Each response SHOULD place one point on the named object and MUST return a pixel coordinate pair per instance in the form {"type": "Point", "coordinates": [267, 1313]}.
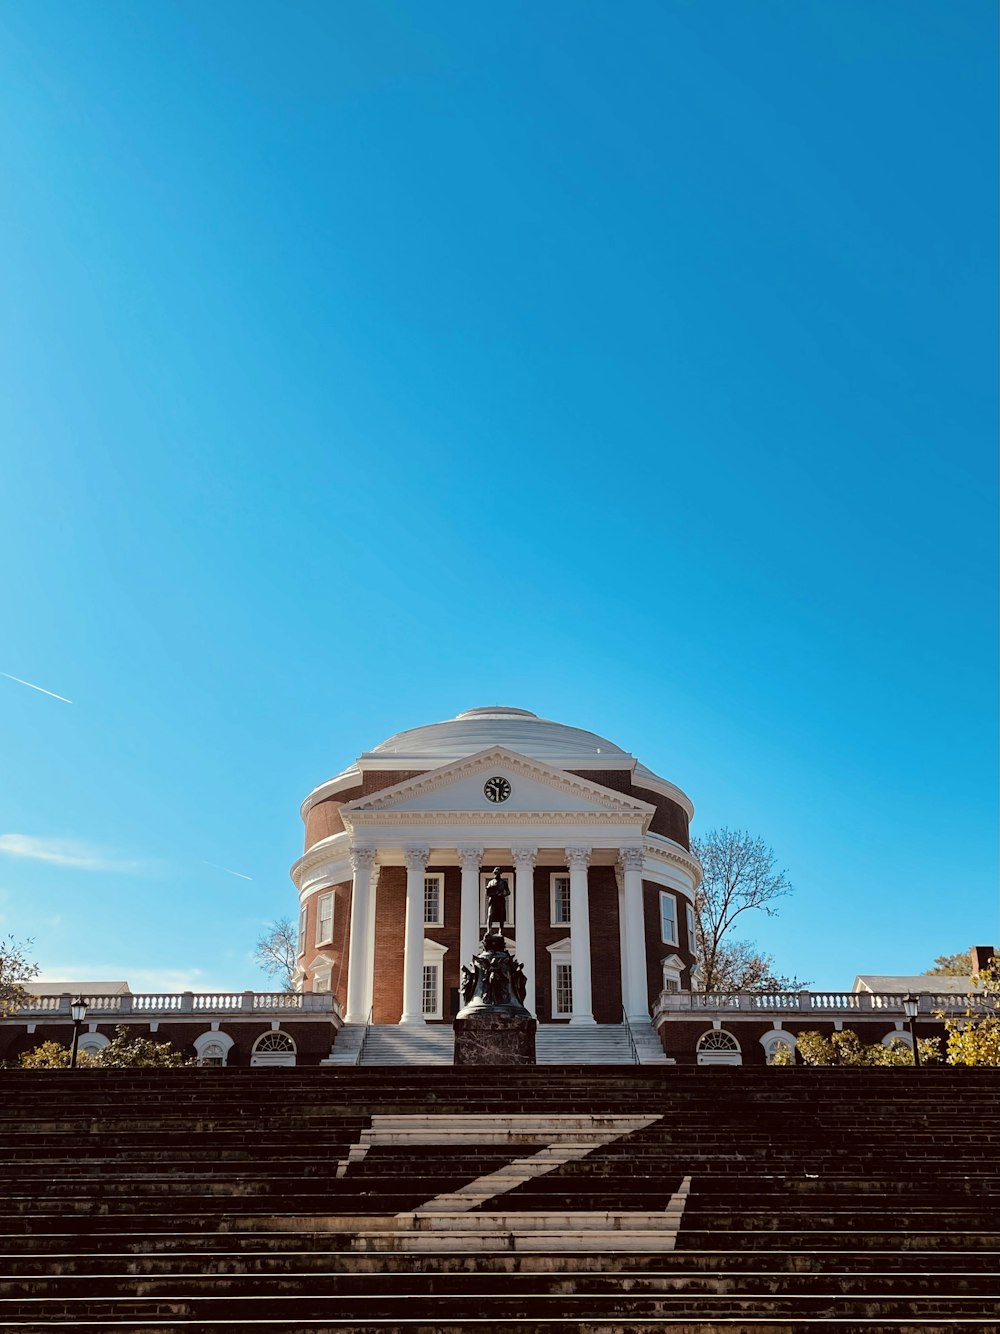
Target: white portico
{"type": "Point", "coordinates": [599, 897]}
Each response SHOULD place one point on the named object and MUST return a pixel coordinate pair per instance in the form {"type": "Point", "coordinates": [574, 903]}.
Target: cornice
{"type": "Point", "coordinates": [666, 850]}
{"type": "Point", "coordinates": [495, 819]}
{"type": "Point", "coordinates": [447, 774]}
{"type": "Point", "coordinates": [349, 778]}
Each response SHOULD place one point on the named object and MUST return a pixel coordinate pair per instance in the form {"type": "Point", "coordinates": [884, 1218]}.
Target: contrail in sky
{"type": "Point", "coordinates": [227, 869]}
{"type": "Point", "coordinates": [31, 687]}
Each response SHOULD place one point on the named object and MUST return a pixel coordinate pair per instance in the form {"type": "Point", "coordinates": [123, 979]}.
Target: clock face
{"type": "Point", "coordinates": [496, 789]}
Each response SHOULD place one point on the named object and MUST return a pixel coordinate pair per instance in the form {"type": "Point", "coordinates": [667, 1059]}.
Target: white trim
{"type": "Point", "coordinates": [213, 1038]}
{"type": "Point", "coordinates": [300, 943]}
{"type": "Point", "coordinates": [269, 1058]}
{"type": "Point", "coordinates": [92, 1042]}
{"type": "Point", "coordinates": [591, 794]}
{"type": "Point", "coordinates": [898, 1035]}
{"type": "Point", "coordinates": [672, 965]}
{"type": "Point", "coordinates": [560, 954]}
{"type": "Point", "coordinates": [729, 1054]}
{"type": "Point", "coordinates": [774, 1039]}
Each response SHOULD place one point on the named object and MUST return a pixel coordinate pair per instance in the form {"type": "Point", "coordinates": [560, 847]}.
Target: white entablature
{"type": "Point", "coordinates": [537, 796]}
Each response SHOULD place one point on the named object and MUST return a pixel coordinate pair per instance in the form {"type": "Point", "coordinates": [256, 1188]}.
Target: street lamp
{"type": "Point", "coordinates": [78, 1009]}
{"type": "Point", "coordinates": [911, 1004]}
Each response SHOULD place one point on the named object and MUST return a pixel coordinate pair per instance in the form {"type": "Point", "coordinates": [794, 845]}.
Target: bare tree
{"type": "Point", "coordinates": [15, 970]}
{"type": "Point", "coordinates": [739, 877]}
{"type": "Point", "coordinates": [276, 952]}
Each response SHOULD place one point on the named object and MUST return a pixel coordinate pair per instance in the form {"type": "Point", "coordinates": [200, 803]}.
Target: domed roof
{"type": "Point", "coordinates": [516, 729]}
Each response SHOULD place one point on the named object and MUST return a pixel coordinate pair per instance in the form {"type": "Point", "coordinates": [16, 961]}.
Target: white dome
{"type": "Point", "coordinates": [516, 729]}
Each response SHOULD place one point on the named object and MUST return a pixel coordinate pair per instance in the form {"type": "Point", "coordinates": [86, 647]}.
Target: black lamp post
{"type": "Point", "coordinates": [78, 1009]}
{"type": "Point", "coordinates": [910, 1006]}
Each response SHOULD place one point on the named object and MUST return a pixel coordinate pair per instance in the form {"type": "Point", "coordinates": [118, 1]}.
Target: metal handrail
{"type": "Point", "coordinates": [364, 1040]}
{"type": "Point", "coordinates": [631, 1040]}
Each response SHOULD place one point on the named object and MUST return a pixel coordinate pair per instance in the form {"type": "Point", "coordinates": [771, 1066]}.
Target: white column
{"type": "Point", "coordinates": [622, 944]}
{"type": "Point", "coordinates": [470, 860]}
{"type": "Point", "coordinates": [578, 859]}
{"type": "Point", "coordinates": [634, 994]}
{"type": "Point", "coordinates": [524, 917]}
{"type": "Point", "coordinates": [360, 970]}
{"type": "Point", "coordinates": [413, 939]}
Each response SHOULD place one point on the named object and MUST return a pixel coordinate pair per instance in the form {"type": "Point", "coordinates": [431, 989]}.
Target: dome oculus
{"type": "Point", "coordinates": [496, 789]}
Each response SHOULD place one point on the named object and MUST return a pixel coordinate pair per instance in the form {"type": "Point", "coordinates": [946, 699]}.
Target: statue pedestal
{"type": "Point", "coordinates": [497, 1038]}
{"type": "Point", "coordinates": [493, 1027]}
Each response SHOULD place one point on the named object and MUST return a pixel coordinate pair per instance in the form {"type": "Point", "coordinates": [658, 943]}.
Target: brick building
{"type": "Point", "coordinates": [399, 847]}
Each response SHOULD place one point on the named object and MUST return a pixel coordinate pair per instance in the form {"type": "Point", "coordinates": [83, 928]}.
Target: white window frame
{"type": "Point", "coordinates": [560, 955]}
{"type": "Point", "coordinates": [92, 1043]}
{"type": "Point", "coordinates": [484, 879]}
{"type": "Point", "coordinates": [773, 1040]}
{"type": "Point", "coordinates": [213, 1038]}
{"type": "Point", "coordinates": [438, 877]}
{"type": "Point", "coordinates": [434, 953]}
{"type": "Point", "coordinates": [732, 1054]}
{"type": "Point", "coordinates": [288, 1056]}
{"type": "Point", "coordinates": [327, 937]}
{"type": "Point", "coordinates": [692, 934]}
{"type": "Point", "coordinates": [667, 897]}
{"type": "Point", "coordinates": [300, 947]}
{"type": "Point", "coordinates": [555, 920]}
{"type": "Point", "coordinates": [672, 967]}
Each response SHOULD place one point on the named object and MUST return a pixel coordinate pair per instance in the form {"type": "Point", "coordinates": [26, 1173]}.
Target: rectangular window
{"type": "Point", "coordinates": [563, 989]}
{"type": "Point", "coordinates": [321, 979]}
{"type": "Point", "coordinates": [324, 919]}
{"type": "Point", "coordinates": [668, 918]}
{"type": "Point", "coordinates": [434, 899]}
{"type": "Point", "coordinates": [691, 936]}
{"type": "Point", "coordinates": [432, 991]}
{"type": "Point", "coordinates": [302, 931]}
{"type": "Point", "coordinates": [560, 900]}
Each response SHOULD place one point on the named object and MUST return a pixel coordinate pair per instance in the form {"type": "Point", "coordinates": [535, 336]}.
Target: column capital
{"type": "Point", "coordinates": [471, 858]}
{"type": "Point", "coordinates": [416, 859]}
{"type": "Point", "coordinates": [632, 859]}
{"type": "Point", "coordinates": [525, 857]}
{"type": "Point", "coordinates": [578, 857]}
{"type": "Point", "coordinates": [362, 858]}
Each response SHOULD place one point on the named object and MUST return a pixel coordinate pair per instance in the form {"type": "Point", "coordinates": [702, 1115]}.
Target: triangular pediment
{"type": "Point", "coordinates": [465, 786]}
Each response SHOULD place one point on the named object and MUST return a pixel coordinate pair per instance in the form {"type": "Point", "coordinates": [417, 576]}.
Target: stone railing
{"type": "Point", "coordinates": [817, 1004]}
{"type": "Point", "coordinates": [180, 1003]}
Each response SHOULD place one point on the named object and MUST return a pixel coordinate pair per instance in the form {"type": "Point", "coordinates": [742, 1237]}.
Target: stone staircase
{"type": "Point", "coordinates": [582, 1044]}
{"type": "Point", "coordinates": [408, 1044]}
{"type": "Point", "coordinates": [608, 1200]}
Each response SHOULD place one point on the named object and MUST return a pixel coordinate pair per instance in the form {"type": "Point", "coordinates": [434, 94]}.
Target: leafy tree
{"type": "Point", "coordinates": [975, 1039]}
{"type": "Point", "coordinates": [277, 951]}
{"type": "Point", "coordinates": [15, 970]}
{"type": "Point", "coordinates": [952, 965]}
{"type": "Point", "coordinates": [122, 1053]}
{"type": "Point", "coordinates": [53, 1056]}
{"type": "Point", "coordinates": [846, 1048]}
{"type": "Point", "coordinates": [740, 876]}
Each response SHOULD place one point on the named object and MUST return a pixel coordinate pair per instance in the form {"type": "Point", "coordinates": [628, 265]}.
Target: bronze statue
{"type": "Point", "coordinates": [497, 894]}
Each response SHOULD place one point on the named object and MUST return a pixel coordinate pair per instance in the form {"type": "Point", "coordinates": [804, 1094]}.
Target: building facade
{"type": "Point", "coordinates": [400, 844]}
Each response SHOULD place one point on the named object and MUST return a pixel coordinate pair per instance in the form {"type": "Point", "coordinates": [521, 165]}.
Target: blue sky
{"type": "Point", "coordinates": [633, 364]}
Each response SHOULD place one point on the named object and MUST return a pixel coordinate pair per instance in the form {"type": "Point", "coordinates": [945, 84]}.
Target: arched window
{"type": "Point", "coordinates": [213, 1048]}
{"type": "Point", "coordinates": [717, 1047]}
{"type": "Point", "coordinates": [92, 1043]}
{"type": "Point", "coordinates": [898, 1037]}
{"type": "Point", "coordinates": [775, 1039]}
{"type": "Point", "coordinates": [274, 1048]}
